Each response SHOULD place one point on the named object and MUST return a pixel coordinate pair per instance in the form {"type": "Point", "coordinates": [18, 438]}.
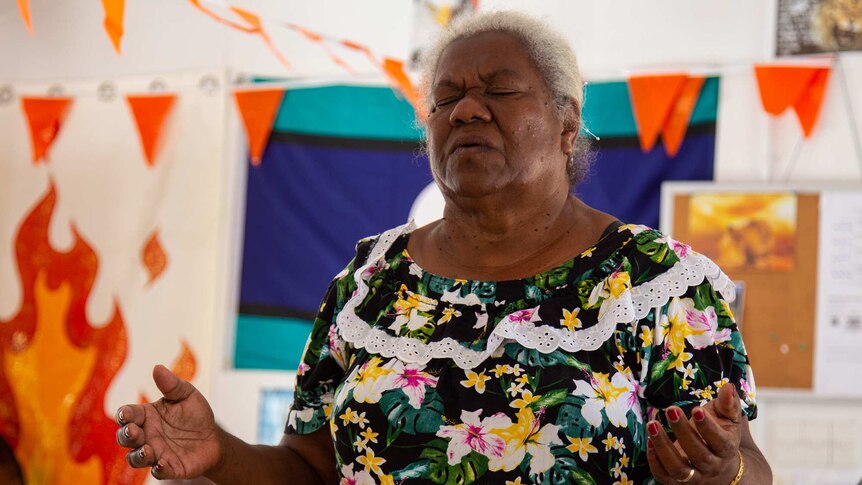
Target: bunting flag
{"type": "Point", "coordinates": [394, 70]}
{"type": "Point", "coordinates": [258, 108]}
{"type": "Point", "coordinates": [45, 118]}
{"type": "Point", "coordinates": [24, 10]}
{"type": "Point", "coordinates": [257, 28]}
{"type": "Point", "coordinates": [677, 124]}
{"type": "Point", "coordinates": [653, 99]}
{"type": "Point", "coordinates": [150, 113]}
{"type": "Point", "coordinates": [799, 87]}
{"type": "Point", "coordinates": [114, 11]}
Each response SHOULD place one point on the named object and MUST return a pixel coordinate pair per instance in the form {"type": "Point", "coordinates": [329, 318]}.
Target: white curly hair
{"type": "Point", "coordinates": [550, 52]}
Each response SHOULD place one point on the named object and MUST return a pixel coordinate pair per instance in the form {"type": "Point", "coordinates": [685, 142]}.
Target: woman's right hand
{"type": "Point", "coordinates": [176, 436]}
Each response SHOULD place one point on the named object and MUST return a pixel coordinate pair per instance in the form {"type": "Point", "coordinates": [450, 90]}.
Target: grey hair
{"type": "Point", "coordinates": [550, 52]}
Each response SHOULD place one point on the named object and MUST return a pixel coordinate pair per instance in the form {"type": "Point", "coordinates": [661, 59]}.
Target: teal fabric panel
{"type": "Point", "coordinates": [347, 112]}
{"type": "Point", "coordinates": [272, 343]}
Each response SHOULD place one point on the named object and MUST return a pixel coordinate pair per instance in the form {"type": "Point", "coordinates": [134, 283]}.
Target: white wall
{"type": "Point", "coordinates": [613, 38]}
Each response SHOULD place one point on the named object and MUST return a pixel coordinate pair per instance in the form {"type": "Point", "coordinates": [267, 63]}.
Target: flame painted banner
{"type": "Point", "coordinates": [107, 267]}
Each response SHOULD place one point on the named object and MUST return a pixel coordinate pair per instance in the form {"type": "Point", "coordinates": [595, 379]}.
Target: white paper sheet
{"type": "Point", "coordinates": [838, 341]}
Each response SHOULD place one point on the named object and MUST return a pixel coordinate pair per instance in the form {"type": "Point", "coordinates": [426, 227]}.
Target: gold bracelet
{"type": "Point", "coordinates": [741, 469]}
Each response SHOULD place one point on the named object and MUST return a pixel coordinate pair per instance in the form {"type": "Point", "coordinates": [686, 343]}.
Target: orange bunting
{"type": "Point", "coordinates": [394, 70]}
{"type": "Point", "coordinates": [361, 48]}
{"type": "Point", "coordinates": [150, 113]}
{"type": "Point", "coordinates": [257, 28]}
{"type": "Point", "coordinates": [209, 13]}
{"type": "Point", "coordinates": [45, 117]}
{"type": "Point", "coordinates": [154, 257]}
{"type": "Point", "coordinates": [258, 108]}
{"type": "Point", "coordinates": [114, 10]}
{"type": "Point", "coordinates": [800, 87]}
{"type": "Point", "coordinates": [24, 10]}
{"type": "Point", "coordinates": [653, 99]}
{"type": "Point", "coordinates": [315, 37]}
{"type": "Point", "coordinates": [677, 124]}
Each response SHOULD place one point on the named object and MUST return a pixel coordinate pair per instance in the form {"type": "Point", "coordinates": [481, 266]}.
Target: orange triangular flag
{"type": "Point", "coordinates": [258, 108]}
{"type": "Point", "coordinates": [257, 28]}
{"type": "Point", "coordinates": [113, 23]}
{"type": "Point", "coordinates": [24, 10]}
{"type": "Point", "coordinates": [807, 107]}
{"type": "Point", "coordinates": [150, 113]}
{"type": "Point", "coordinates": [653, 97]}
{"type": "Point", "coordinates": [45, 118]}
{"type": "Point", "coordinates": [677, 124]}
{"type": "Point", "coordinates": [781, 86]}
{"type": "Point", "coordinates": [394, 70]}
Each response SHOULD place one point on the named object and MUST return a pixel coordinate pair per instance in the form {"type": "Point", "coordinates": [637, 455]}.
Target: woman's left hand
{"type": "Point", "coordinates": [706, 447]}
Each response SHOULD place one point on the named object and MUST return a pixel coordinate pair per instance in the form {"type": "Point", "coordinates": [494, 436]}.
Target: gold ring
{"type": "Point", "coordinates": [689, 477]}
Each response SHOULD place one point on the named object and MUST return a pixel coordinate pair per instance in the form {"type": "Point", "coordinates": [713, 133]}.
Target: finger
{"type": "Point", "coordinates": [131, 413]}
{"type": "Point", "coordinates": [171, 386]}
{"type": "Point", "coordinates": [727, 403]}
{"type": "Point", "coordinates": [723, 442]}
{"type": "Point", "coordinates": [130, 436]}
{"type": "Point", "coordinates": [677, 467]}
{"type": "Point", "coordinates": [158, 471]}
{"type": "Point", "coordinates": [141, 457]}
{"type": "Point", "coordinates": [693, 446]}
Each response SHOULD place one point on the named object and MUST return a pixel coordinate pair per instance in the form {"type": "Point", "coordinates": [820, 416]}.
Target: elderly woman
{"type": "Point", "coordinates": [523, 338]}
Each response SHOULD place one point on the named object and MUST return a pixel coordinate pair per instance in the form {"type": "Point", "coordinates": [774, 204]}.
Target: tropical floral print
{"type": "Point", "coordinates": [523, 415]}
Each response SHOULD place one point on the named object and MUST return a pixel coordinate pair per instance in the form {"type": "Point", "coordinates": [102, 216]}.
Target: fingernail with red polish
{"type": "Point", "coordinates": [126, 432]}
{"type": "Point", "coordinates": [120, 417]}
{"type": "Point", "coordinates": [141, 453]}
{"type": "Point", "coordinates": [649, 443]}
{"type": "Point", "coordinates": [698, 414]}
{"type": "Point", "coordinates": [673, 415]}
{"type": "Point", "coordinates": [652, 428]}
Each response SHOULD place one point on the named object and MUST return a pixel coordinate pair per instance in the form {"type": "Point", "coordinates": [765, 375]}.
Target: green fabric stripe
{"type": "Point", "coordinates": [376, 113]}
{"type": "Point", "coordinates": [269, 342]}
{"type": "Point", "coordinates": [347, 111]}
{"type": "Point", "coordinates": [608, 111]}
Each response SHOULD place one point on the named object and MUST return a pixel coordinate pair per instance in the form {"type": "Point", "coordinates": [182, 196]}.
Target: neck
{"type": "Point", "coordinates": [490, 236]}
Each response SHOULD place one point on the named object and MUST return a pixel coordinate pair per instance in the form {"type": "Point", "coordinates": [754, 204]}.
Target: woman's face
{"type": "Point", "coordinates": [493, 127]}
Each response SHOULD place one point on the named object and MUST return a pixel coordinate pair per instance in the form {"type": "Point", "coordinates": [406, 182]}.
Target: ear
{"type": "Point", "coordinates": [571, 127]}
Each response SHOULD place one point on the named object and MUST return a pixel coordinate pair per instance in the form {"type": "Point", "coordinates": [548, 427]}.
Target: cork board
{"type": "Point", "coordinates": [778, 317]}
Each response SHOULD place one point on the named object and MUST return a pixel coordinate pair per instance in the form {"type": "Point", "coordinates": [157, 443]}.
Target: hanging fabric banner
{"type": "Point", "coordinates": [799, 87]}
{"type": "Point", "coordinates": [24, 9]}
{"type": "Point", "coordinates": [653, 98]}
{"type": "Point", "coordinates": [45, 117]}
{"type": "Point", "coordinates": [150, 113]}
{"type": "Point", "coordinates": [258, 108]}
{"type": "Point", "coordinates": [114, 11]}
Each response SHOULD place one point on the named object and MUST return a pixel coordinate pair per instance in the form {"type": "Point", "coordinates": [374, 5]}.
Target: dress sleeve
{"type": "Point", "coordinates": [325, 358]}
{"type": "Point", "coordinates": [695, 349]}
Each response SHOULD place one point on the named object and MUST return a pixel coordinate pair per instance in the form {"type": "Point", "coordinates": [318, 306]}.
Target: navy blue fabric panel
{"type": "Point", "coordinates": [306, 206]}
{"type": "Point", "coordinates": [626, 182]}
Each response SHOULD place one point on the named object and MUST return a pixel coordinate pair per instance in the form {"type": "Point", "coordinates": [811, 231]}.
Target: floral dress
{"type": "Point", "coordinates": [545, 380]}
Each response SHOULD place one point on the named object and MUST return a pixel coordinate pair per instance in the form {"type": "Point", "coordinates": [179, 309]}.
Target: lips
{"type": "Point", "coordinates": [470, 142]}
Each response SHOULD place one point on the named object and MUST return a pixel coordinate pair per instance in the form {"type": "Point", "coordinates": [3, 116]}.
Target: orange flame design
{"type": "Point", "coordinates": [154, 257]}
{"type": "Point", "coordinates": [55, 367]}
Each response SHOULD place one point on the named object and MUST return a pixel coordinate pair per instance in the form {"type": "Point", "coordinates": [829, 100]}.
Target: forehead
{"type": "Point", "coordinates": [485, 54]}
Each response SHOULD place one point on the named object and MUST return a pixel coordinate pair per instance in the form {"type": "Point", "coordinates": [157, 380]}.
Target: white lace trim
{"type": "Point", "coordinates": [632, 305]}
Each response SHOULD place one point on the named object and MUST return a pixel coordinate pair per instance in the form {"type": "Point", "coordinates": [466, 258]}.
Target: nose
{"type": "Point", "coordinates": [469, 109]}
